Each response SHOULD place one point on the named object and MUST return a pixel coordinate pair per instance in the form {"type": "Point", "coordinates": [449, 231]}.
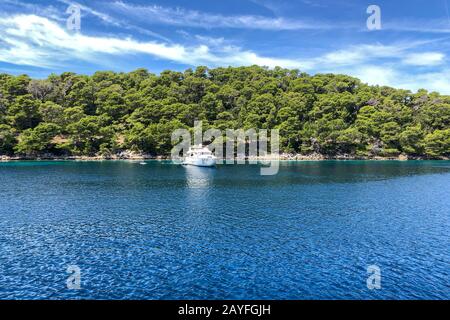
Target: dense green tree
{"type": "Point", "coordinates": [16, 86]}
{"type": "Point", "coordinates": [86, 136]}
{"type": "Point", "coordinates": [109, 112]}
{"type": "Point", "coordinates": [389, 134]}
{"type": "Point", "coordinates": [24, 112]}
{"type": "Point", "coordinates": [82, 94]}
{"type": "Point", "coordinates": [435, 116]}
{"type": "Point", "coordinates": [37, 140]}
{"type": "Point", "coordinates": [111, 101]}
{"type": "Point", "coordinates": [350, 141]}
{"type": "Point", "coordinates": [7, 140]}
{"type": "Point", "coordinates": [437, 143]}
{"type": "Point", "coordinates": [411, 140]}
{"type": "Point", "coordinates": [52, 113]}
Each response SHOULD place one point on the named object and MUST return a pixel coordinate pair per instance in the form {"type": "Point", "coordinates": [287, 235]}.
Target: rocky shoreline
{"type": "Point", "coordinates": [120, 156]}
{"type": "Point", "coordinates": [128, 155]}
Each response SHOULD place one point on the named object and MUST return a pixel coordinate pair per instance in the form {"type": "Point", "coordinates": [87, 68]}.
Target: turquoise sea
{"type": "Point", "coordinates": [164, 231]}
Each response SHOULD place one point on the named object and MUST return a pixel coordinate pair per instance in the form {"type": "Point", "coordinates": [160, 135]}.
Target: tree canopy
{"type": "Point", "coordinates": [108, 112]}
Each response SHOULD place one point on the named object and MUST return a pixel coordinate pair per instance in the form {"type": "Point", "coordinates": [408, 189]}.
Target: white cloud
{"type": "Point", "coordinates": [424, 59]}
{"type": "Point", "coordinates": [433, 81]}
{"type": "Point", "coordinates": [37, 41]}
{"type": "Point", "coordinates": [376, 75]}
{"type": "Point", "coordinates": [361, 53]}
{"type": "Point", "coordinates": [390, 76]}
{"type": "Point", "coordinates": [364, 53]}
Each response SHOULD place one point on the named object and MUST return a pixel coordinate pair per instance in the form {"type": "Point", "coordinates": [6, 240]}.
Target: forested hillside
{"type": "Point", "coordinates": [106, 113]}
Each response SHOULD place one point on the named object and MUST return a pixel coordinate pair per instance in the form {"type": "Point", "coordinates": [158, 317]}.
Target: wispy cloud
{"type": "Point", "coordinates": [110, 20]}
{"type": "Point", "coordinates": [48, 11]}
{"type": "Point", "coordinates": [365, 53]}
{"type": "Point", "coordinates": [181, 17]}
{"type": "Point", "coordinates": [100, 15]}
{"type": "Point", "coordinates": [425, 59]}
{"type": "Point", "coordinates": [192, 18]}
{"type": "Point", "coordinates": [436, 26]}
{"type": "Point", "coordinates": [355, 54]}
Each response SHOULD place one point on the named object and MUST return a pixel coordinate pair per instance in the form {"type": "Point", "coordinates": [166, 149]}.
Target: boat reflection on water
{"type": "Point", "coordinates": [199, 177]}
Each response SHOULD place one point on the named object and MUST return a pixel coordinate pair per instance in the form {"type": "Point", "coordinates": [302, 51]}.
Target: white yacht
{"type": "Point", "coordinates": [199, 156]}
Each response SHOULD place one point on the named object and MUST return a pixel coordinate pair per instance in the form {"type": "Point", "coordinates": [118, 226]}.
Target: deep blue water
{"type": "Point", "coordinates": [162, 231]}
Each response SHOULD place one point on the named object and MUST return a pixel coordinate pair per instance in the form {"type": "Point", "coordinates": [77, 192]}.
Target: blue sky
{"type": "Point", "coordinates": [411, 51]}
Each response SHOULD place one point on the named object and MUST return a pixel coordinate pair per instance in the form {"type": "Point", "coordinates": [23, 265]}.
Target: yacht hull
{"type": "Point", "coordinates": [200, 162]}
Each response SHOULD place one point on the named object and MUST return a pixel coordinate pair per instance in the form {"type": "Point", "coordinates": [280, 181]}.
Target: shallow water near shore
{"type": "Point", "coordinates": [164, 231]}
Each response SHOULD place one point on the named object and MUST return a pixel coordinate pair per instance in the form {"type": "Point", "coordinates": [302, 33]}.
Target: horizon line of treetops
{"type": "Point", "coordinates": [109, 112]}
